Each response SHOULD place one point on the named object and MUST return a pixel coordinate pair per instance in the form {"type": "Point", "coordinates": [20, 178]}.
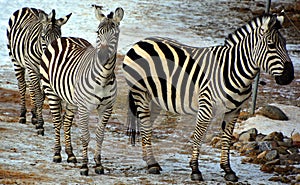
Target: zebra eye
{"type": "Point", "coordinates": [271, 45]}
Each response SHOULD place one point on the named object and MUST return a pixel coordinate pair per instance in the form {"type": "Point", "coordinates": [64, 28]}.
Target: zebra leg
{"type": "Point", "coordinates": [203, 119]}
{"type": "Point", "coordinates": [37, 101]}
{"type": "Point", "coordinates": [67, 122]}
{"type": "Point", "coordinates": [20, 74]}
{"type": "Point", "coordinates": [143, 114]}
{"type": "Point", "coordinates": [103, 119]}
{"type": "Point", "coordinates": [55, 108]}
{"type": "Point", "coordinates": [85, 138]}
{"type": "Point", "coordinates": [227, 130]}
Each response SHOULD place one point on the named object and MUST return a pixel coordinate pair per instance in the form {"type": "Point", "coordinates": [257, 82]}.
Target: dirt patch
{"type": "Point", "coordinates": [16, 177]}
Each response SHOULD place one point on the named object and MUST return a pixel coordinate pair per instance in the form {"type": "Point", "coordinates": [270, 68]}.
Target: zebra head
{"type": "Point", "coordinates": [108, 32]}
{"type": "Point", "coordinates": [51, 27]}
{"type": "Point", "coordinates": [272, 50]}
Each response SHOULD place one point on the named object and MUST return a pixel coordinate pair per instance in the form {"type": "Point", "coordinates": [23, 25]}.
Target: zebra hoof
{"type": "Point", "coordinates": [84, 170]}
{"type": "Point", "coordinates": [196, 177]}
{"type": "Point", "coordinates": [99, 170]}
{"type": "Point", "coordinates": [57, 159]}
{"type": "Point", "coordinates": [231, 177]}
{"type": "Point", "coordinates": [22, 120]}
{"type": "Point", "coordinates": [72, 159]}
{"type": "Point", "coordinates": [40, 132]}
{"type": "Point", "coordinates": [34, 121]}
{"type": "Point", "coordinates": [154, 170]}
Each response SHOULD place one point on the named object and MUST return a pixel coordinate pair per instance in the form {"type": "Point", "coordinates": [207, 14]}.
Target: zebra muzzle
{"type": "Point", "coordinates": [287, 76]}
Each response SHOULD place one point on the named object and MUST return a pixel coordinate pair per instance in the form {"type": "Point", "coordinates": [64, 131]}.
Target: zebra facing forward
{"type": "Point", "coordinates": [29, 31]}
{"type": "Point", "coordinates": [191, 80]}
{"type": "Point", "coordinates": [83, 76]}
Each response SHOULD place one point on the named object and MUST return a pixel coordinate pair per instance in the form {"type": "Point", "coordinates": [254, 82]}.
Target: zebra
{"type": "Point", "coordinates": [198, 81]}
{"type": "Point", "coordinates": [29, 31]}
{"type": "Point", "coordinates": [83, 76]}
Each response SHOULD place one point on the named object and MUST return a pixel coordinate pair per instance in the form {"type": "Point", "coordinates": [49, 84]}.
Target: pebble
{"type": "Point", "coordinates": [296, 139]}
{"type": "Point", "coordinates": [274, 136]}
{"type": "Point", "coordinates": [248, 135]}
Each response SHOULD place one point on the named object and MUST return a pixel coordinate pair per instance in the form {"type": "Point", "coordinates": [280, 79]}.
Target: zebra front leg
{"type": "Point", "coordinates": [67, 121]}
{"type": "Point", "coordinates": [55, 108]}
{"type": "Point", "coordinates": [203, 119]}
{"type": "Point", "coordinates": [103, 119]}
{"type": "Point", "coordinates": [20, 74]}
{"type": "Point", "coordinates": [85, 139]}
{"type": "Point", "coordinates": [227, 130]}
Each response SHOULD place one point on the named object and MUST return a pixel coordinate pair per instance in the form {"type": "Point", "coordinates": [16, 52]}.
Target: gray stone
{"type": "Point", "coordinates": [273, 112]}
{"type": "Point", "coordinates": [271, 155]}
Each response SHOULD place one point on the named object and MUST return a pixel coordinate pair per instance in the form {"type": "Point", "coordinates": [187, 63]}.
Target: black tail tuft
{"type": "Point", "coordinates": [132, 121]}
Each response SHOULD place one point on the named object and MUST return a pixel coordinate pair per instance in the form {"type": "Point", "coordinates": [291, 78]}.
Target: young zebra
{"type": "Point", "coordinates": [83, 76]}
{"type": "Point", "coordinates": [191, 80]}
{"type": "Point", "coordinates": [29, 31]}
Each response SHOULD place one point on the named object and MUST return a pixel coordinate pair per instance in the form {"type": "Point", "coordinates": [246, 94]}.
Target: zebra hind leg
{"type": "Point", "coordinates": [143, 114]}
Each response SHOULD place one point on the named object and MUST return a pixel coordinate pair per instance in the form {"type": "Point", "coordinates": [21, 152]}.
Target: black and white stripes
{"type": "Point", "coordinates": [191, 80]}
{"type": "Point", "coordinates": [83, 76]}
{"type": "Point", "coordinates": [29, 31]}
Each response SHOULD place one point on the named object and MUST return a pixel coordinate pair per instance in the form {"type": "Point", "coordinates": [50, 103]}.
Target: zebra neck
{"type": "Point", "coordinates": [105, 69]}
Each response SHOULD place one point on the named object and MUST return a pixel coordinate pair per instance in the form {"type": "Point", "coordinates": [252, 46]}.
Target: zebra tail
{"type": "Point", "coordinates": [132, 121]}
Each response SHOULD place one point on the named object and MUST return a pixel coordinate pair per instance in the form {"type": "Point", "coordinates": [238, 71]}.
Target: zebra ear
{"type": "Point", "coordinates": [43, 17]}
{"type": "Point", "coordinates": [119, 13]}
{"type": "Point", "coordinates": [98, 12]}
{"type": "Point", "coordinates": [280, 17]}
{"type": "Point", "coordinates": [63, 20]}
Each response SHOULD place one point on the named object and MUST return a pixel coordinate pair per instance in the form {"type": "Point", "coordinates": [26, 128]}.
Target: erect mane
{"type": "Point", "coordinates": [247, 28]}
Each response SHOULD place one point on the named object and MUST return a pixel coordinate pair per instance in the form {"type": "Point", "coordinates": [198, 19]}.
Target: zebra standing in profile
{"type": "Point", "coordinates": [83, 76]}
{"type": "Point", "coordinates": [29, 31]}
{"type": "Point", "coordinates": [191, 80]}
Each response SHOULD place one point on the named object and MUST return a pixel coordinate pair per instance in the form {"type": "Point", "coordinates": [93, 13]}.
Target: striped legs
{"type": "Point", "coordinates": [67, 122]}
{"type": "Point", "coordinates": [85, 138]}
{"type": "Point", "coordinates": [56, 109]}
{"type": "Point", "coordinates": [20, 74]}
{"type": "Point", "coordinates": [203, 119]}
{"type": "Point", "coordinates": [227, 130]}
{"type": "Point", "coordinates": [103, 119]}
{"type": "Point", "coordinates": [35, 94]}
{"type": "Point", "coordinates": [37, 99]}
{"type": "Point", "coordinates": [142, 103]}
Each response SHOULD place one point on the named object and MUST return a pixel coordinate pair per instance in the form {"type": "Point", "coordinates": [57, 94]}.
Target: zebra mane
{"type": "Point", "coordinates": [250, 26]}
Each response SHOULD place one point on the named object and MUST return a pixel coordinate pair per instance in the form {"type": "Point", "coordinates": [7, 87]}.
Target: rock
{"type": "Point", "coordinates": [274, 162]}
{"type": "Point", "coordinates": [267, 168]}
{"type": "Point", "coordinates": [296, 139]}
{"type": "Point", "coordinates": [271, 155]}
{"type": "Point", "coordinates": [274, 136]}
{"type": "Point", "coordinates": [249, 147]}
{"type": "Point", "coordinates": [262, 155]}
{"type": "Point", "coordinates": [273, 112]}
{"type": "Point", "coordinates": [297, 178]}
{"type": "Point", "coordinates": [248, 135]}
{"type": "Point", "coordinates": [216, 142]}
{"type": "Point", "coordinates": [260, 137]}
{"type": "Point", "coordinates": [266, 145]}
{"type": "Point", "coordinates": [280, 179]}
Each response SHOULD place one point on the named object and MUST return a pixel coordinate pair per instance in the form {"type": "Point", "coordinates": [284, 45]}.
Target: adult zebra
{"type": "Point", "coordinates": [83, 76]}
{"type": "Point", "coordinates": [191, 80]}
{"type": "Point", "coordinates": [29, 31]}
